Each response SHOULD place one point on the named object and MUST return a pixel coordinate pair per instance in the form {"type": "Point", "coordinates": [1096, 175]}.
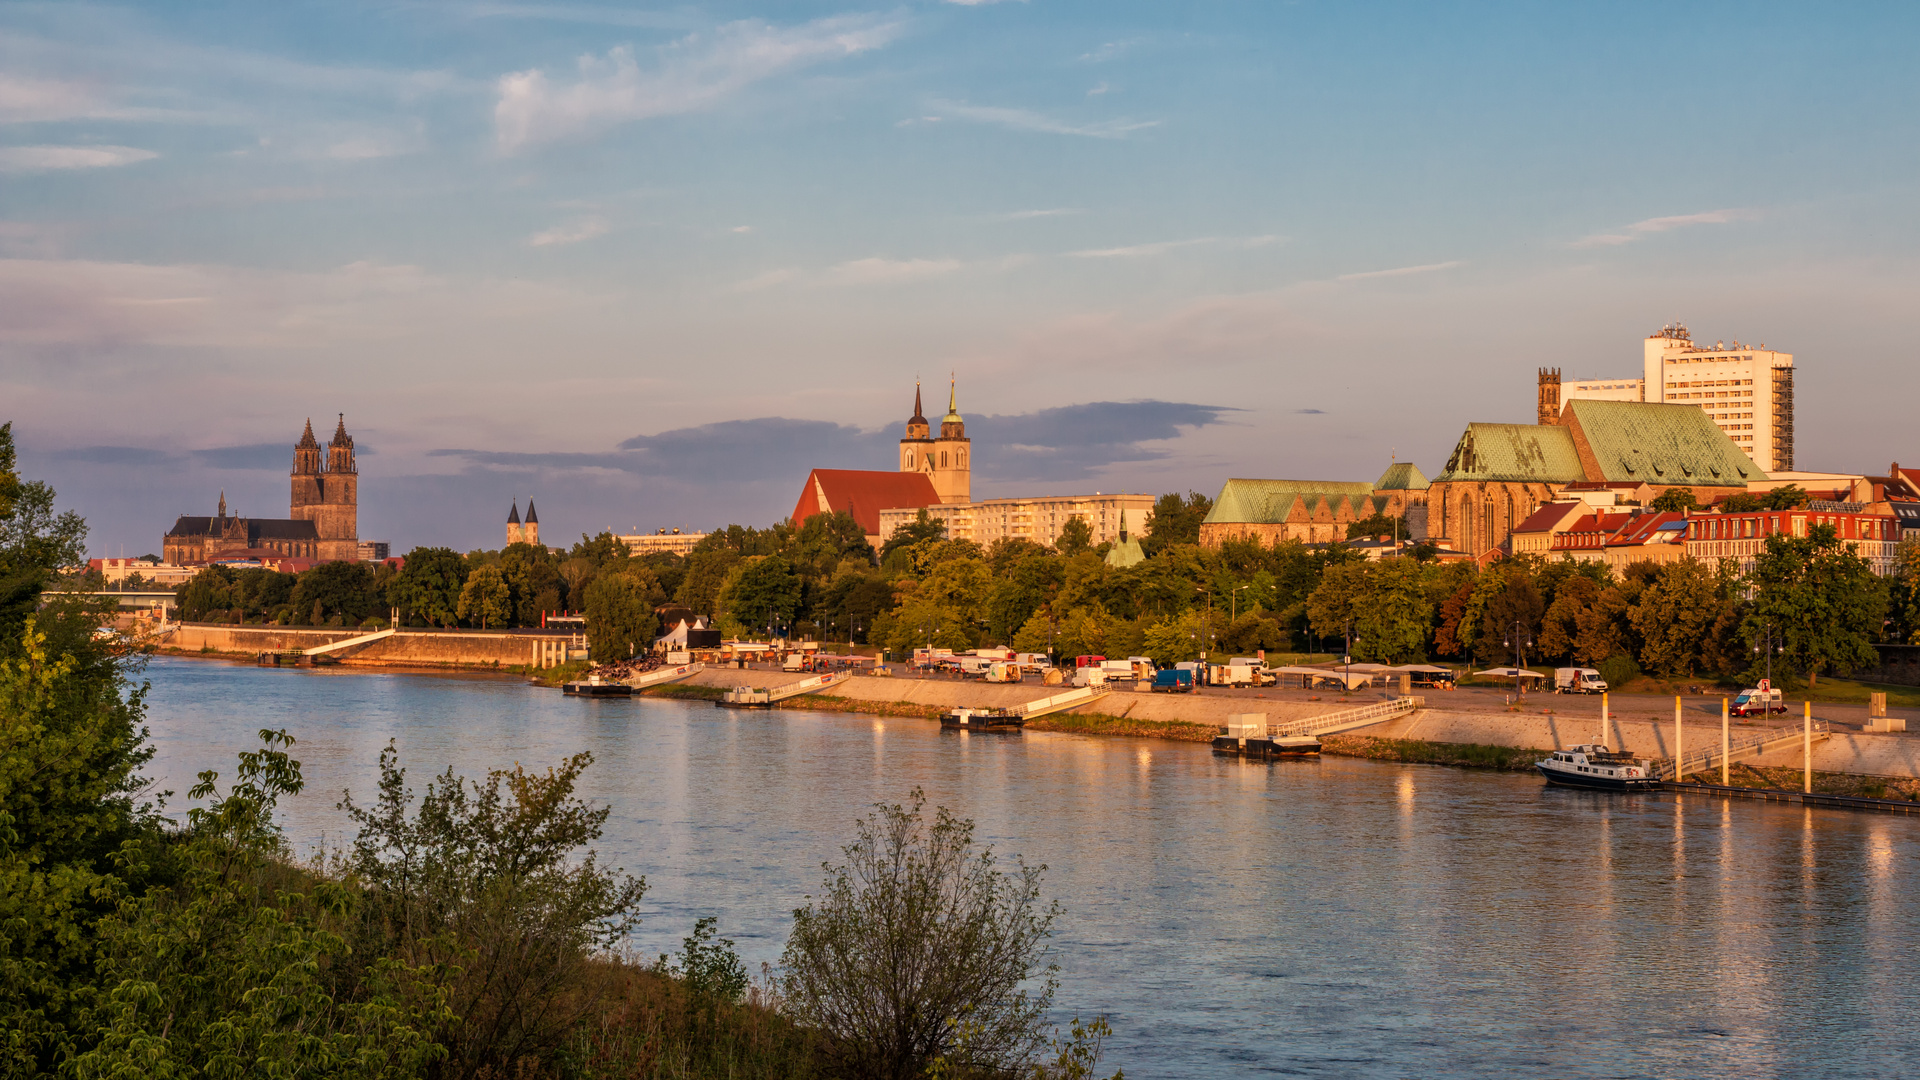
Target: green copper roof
{"type": "Point", "coordinates": [1126, 552]}
{"type": "Point", "coordinates": [1522, 453]}
{"type": "Point", "coordinates": [1401, 476]}
{"type": "Point", "coordinates": [1655, 443]}
{"type": "Point", "coordinates": [1270, 501]}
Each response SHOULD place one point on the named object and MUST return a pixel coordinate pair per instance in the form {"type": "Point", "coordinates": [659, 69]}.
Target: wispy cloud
{"type": "Point", "coordinates": [1024, 215]}
{"type": "Point", "coordinates": [694, 73]}
{"type": "Point", "coordinates": [978, 3]}
{"type": "Point", "coordinates": [1402, 271]}
{"type": "Point", "coordinates": [1650, 226]}
{"type": "Point", "coordinates": [24, 99]}
{"type": "Point", "coordinates": [1140, 251]}
{"type": "Point", "coordinates": [877, 271]}
{"type": "Point", "coordinates": [1028, 120]}
{"type": "Point", "coordinates": [574, 233]}
{"type": "Point", "coordinates": [1099, 88]}
{"type": "Point", "coordinates": [21, 159]}
{"type": "Point", "coordinates": [1112, 50]}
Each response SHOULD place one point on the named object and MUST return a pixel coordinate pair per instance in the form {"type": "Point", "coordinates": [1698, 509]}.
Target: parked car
{"type": "Point", "coordinates": [1173, 681]}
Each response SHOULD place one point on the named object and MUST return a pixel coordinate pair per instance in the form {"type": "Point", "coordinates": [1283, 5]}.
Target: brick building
{"type": "Point", "coordinates": [1314, 511]}
{"type": "Point", "coordinates": [322, 522]}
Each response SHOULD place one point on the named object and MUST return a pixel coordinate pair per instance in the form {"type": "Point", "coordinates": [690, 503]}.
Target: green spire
{"type": "Point", "coordinates": [953, 408]}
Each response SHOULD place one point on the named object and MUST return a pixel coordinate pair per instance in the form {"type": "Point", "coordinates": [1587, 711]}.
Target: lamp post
{"type": "Point", "coordinates": [1769, 645]}
{"type": "Point", "coordinates": [1233, 606]}
{"type": "Point", "coordinates": [1518, 642]}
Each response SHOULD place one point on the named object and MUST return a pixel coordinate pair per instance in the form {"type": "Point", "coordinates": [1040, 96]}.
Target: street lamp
{"type": "Point", "coordinates": [1347, 657]}
{"type": "Point", "coordinates": [1233, 604]}
{"type": "Point", "coordinates": [1770, 643]}
{"type": "Point", "coordinates": [1518, 641]}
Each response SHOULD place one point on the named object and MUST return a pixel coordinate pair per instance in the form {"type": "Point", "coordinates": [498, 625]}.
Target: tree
{"type": "Point", "coordinates": [1790, 497]}
{"type": "Point", "coordinates": [1378, 525]}
{"type": "Point", "coordinates": [430, 585]}
{"type": "Point", "coordinates": [1674, 500]}
{"type": "Point", "coordinates": [1174, 521]}
{"type": "Point", "coordinates": [1076, 536]}
{"type": "Point", "coordinates": [920, 949]}
{"type": "Point", "coordinates": [764, 592]}
{"type": "Point", "coordinates": [485, 598]}
{"type": "Point", "coordinates": [1906, 594]}
{"type": "Point", "coordinates": [34, 541]}
{"type": "Point", "coordinates": [1173, 641]}
{"type": "Point", "coordinates": [345, 589]}
{"type": "Point", "coordinates": [208, 592]}
{"type": "Point", "coordinates": [1674, 616]}
{"type": "Point", "coordinates": [1823, 602]}
{"type": "Point", "coordinates": [921, 528]}
{"type": "Point", "coordinates": [533, 577]}
{"type": "Point", "coordinates": [1383, 601]}
{"type": "Point", "coordinates": [620, 618]}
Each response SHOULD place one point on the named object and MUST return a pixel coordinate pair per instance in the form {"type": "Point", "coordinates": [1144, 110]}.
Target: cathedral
{"type": "Point", "coordinates": [517, 533]}
{"type": "Point", "coordinates": [322, 522]}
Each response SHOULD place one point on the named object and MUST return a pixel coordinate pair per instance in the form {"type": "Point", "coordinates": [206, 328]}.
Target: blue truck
{"type": "Point", "coordinates": [1173, 681]}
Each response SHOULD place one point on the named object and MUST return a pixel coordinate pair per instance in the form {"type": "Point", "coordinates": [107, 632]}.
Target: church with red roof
{"type": "Point", "coordinates": [933, 471]}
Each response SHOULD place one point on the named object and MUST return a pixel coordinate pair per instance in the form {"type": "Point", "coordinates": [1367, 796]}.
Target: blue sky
{"type": "Point", "coordinates": [650, 263]}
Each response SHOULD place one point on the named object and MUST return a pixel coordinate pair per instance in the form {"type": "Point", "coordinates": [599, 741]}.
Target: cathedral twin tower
{"type": "Point", "coordinates": [942, 460]}
{"type": "Point", "coordinates": [328, 493]}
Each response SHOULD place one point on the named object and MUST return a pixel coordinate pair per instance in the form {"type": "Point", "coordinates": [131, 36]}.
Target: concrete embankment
{"type": "Point", "coordinates": [408, 648]}
{"type": "Point", "coordinates": [1896, 755]}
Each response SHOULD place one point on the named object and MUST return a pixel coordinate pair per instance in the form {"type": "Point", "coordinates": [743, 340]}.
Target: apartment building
{"type": "Point", "coordinates": [1038, 519]}
{"type": "Point", "coordinates": [1743, 537]}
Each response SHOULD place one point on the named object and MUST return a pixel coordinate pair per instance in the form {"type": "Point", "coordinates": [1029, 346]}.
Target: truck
{"type": "Point", "coordinates": [974, 665]}
{"type": "Point", "coordinates": [1119, 670]}
{"type": "Point", "coordinates": [1757, 701]}
{"type": "Point", "coordinates": [1035, 662]}
{"type": "Point", "coordinates": [1172, 681]}
{"type": "Point", "coordinates": [1578, 680]}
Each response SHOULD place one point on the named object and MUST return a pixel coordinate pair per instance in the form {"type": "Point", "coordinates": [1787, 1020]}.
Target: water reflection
{"type": "Point", "coordinates": [1339, 917]}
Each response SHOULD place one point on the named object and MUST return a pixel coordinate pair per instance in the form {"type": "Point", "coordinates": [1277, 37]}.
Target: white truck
{"type": "Point", "coordinates": [1003, 671]}
{"type": "Point", "coordinates": [1119, 670]}
{"type": "Point", "coordinates": [1578, 680]}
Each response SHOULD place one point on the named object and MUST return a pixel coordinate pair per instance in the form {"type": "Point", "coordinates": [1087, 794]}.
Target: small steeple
{"type": "Point", "coordinates": [1123, 526]}
{"type": "Point", "coordinates": [223, 502]}
{"type": "Point", "coordinates": [340, 436]}
{"type": "Point", "coordinates": [307, 441]}
{"type": "Point", "coordinates": [953, 408]}
{"type": "Point", "coordinates": [919, 415]}
{"type": "Point", "coordinates": [513, 515]}
{"type": "Point", "coordinates": [533, 518]}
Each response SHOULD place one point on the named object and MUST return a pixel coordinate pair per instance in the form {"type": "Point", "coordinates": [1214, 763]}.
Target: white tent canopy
{"type": "Point", "coordinates": [1511, 673]}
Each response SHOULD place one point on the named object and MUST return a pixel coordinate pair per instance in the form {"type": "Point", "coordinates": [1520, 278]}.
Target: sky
{"type": "Point", "coordinates": [648, 264]}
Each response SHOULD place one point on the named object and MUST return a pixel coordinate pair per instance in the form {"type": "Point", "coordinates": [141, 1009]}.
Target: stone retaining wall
{"type": "Point", "coordinates": [408, 648]}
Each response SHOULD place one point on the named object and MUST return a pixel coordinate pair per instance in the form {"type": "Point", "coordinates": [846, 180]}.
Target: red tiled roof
{"type": "Point", "coordinates": [862, 493]}
{"type": "Point", "coordinates": [1547, 517]}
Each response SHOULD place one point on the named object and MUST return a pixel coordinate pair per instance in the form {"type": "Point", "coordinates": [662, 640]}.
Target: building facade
{"type": "Point", "coordinates": [327, 492]}
{"type": "Point", "coordinates": [1747, 390]}
{"type": "Point", "coordinates": [1743, 537]}
{"type": "Point", "coordinates": [1500, 474]}
{"type": "Point", "coordinates": [944, 460]}
{"type": "Point", "coordinates": [1038, 519]}
{"type": "Point", "coordinates": [1314, 511]}
{"type": "Point", "coordinates": [672, 542]}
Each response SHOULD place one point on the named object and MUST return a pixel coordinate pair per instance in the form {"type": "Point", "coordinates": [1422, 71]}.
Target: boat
{"type": "Point", "coordinates": [984, 719]}
{"type": "Point", "coordinates": [1272, 747]}
{"type": "Point", "coordinates": [1594, 766]}
{"type": "Point", "coordinates": [595, 686]}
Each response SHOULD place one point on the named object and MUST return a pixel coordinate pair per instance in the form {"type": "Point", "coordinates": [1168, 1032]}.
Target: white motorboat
{"type": "Point", "coordinates": [1594, 766]}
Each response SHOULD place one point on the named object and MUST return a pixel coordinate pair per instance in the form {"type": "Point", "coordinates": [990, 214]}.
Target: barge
{"type": "Point", "coordinates": [1593, 766]}
{"type": "Point", "coordinates": [984, 719]}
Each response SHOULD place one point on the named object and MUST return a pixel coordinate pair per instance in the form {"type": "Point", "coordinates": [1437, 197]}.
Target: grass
{"type": "Point", "coordinates": [1421, 752]}
{"type": "Point", "coordinates": [652, 1025]}
{"type": "Point", "coordinates": [568, 672]}
{"type": "Point", "coordinates": [682, 691]}
{"type": "Point", "coordinates": [1792, 778]}
{"type": "Point", "coordinates": [1103, 724]}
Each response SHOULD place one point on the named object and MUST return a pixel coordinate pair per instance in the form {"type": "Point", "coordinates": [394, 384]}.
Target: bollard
{"type": "Point", "coordinates": [1806, 747]}
{"type": "Point", "coordinates": [1679, 743]}
{"type": "Point", "coordinates": [1727, 740]}
{"type": "Point", "coordinates": [1603, 718]}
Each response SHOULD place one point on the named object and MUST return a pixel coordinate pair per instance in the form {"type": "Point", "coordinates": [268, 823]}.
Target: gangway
{"type": "Point", "coordinates": [1047, 706]}
{"type": "Point", "coordinates": [1347, 719]}
{"type": "Point", "coordinates": [1748, 744]}
{"type": "Point", "coordinates": [347, 643]}
{"type": "Point", "coordinates": [760, 697]}
{"type": "Point", "coordinates": [660, 676]}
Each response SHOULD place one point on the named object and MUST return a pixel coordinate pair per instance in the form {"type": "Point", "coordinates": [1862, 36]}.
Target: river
{"type": "Point", "coordinates": [1324, 918]}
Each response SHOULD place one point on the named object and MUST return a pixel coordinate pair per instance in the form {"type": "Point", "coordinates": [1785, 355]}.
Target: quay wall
{"type": "Point", "coordinates": [1894, 755]}
{"type": "Point", "coordinates": [408, 648]}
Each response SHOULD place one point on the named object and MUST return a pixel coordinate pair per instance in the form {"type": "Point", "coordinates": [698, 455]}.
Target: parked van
{"type": "Point", "coordinates": [1173, 681]}
{"type": "Point", "coordinates": [1092, 675]}
{"type": "Point", "coordinates": [1003, 671]}
{"type": "Point", "coordinates": [1578, 680]}
{"type": "Point", "coordinates": [795, 662]}
{"type": "Point", "coordinates": [974, 665]}
{"type": "Point", "coordinates": [1757, 703]}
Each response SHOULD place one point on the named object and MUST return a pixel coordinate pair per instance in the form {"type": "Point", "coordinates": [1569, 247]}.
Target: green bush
{"type": "Point", "coordinates": [1618, 671]}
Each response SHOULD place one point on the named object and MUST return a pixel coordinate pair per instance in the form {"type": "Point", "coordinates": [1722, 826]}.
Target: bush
{"type": "Point", "coordinates": [916, 950]}
{"type": "Point", "coordinates": [1618, 671]}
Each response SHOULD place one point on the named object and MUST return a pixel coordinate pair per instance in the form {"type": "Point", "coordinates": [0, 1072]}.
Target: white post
{"type": "Point", "coordinates": [1806, 747]}
{"type": "Point", "coordinates": [1603, 719]}
{"type": "Point", "coordinates": [1679, 742]}
{"type": "Point", "coordinates": [1727, 742]}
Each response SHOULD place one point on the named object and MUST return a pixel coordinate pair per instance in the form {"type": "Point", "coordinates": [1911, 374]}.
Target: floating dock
{"type": "Point", "coordinates": [595, 686]}
{"type": "Point", "coordinates": [1280, 746]}
{"type": "Point", "coordinates": [984, 719]}
{"type": "Point", "coordinates": [760, 697]}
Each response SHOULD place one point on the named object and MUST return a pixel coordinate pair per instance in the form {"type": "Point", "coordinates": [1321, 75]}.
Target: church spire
{"type": "Point", "coordinates": [919, 414]}
{"type": "Point", "coordinates": [513, 515]}
{"type": "Point", "coordinates": [223, 502]}
{"type": "Point", "coordinates": [307, 441]}
{"type": "Point", "coordinates": [953, 408]}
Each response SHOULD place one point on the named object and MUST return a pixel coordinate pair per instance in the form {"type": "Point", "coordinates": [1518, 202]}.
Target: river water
{"type": "Point", "coordinates": [1326, 918]}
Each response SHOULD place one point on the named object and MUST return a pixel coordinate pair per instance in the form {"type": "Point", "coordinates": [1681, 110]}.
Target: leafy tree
{"type": "Point", "coordinates": [1036, 635]}
{"type": "Point", "coordinates": [1823, 601]}
{"type": "Point", "coordinates": [620, 618]}
{"type": "Point", "coordinates": [1674, 616]}
{"type": "Point", "coordinates": [1560, 626]}
{"type": "Point", "coordinates": [1741, 502]}
{"type": "Point", "coordinates": [206, 593]}
{"type": "Point", "coordinates": [1514, 600]}
{"type": "Point", "coordinates": [1674, 500]}
{"type": "Point", "coordinates": [922, 528]}
{"type": "Point", "coordinates": [1906, 593]}
{"type": "Point", "coordinates": [485, 598]}
{"type": "Point", "coordinates": [1383, 601]}
{"type": "Point", "coordinates": [920, 949]}
{"type": "Point", "coordinates": [1605, 628]}
{"type": "Point", "coordinates": [764, 592]}
{"type": "Point", "coordinates": [1378, 525]}
{"type": "Point", "coordinates": [1790, 497]}
{"type": "Point", "coordinates": [1253, 631]}
{"type": "Point", "coordinates": [1173, 641]}
{"type": "Point", "coordinates": [1076, 536]}
{"type": "Point", "coordinates": [533, 577]}
{"type": "Point", "coordinates": [430, 585]}
{"type": "Point", "coordinates": [34, 540]}
{"type": "Point", "coordinates": [1174, 521]}
{"type": "Point", "coordinates": [345, 589]}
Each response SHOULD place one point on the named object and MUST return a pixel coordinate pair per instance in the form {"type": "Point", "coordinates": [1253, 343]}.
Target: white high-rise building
{"type": "Point", "coordinates": [1747, 389]}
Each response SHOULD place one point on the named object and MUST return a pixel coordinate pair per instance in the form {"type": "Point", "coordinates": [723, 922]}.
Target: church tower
{"type": "Point", "coordinates": [915, 449]}
{"type": "Point", "coordinates": [531, 533]}
{"type": "Point", "coordinates": [515, 534]}
{"type": "Point", "coordinates": [329, 497]}
{"type": "Point", "coordinates": [952, 472]}
{"type": "Point", "coordinates": [1549, 411]}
